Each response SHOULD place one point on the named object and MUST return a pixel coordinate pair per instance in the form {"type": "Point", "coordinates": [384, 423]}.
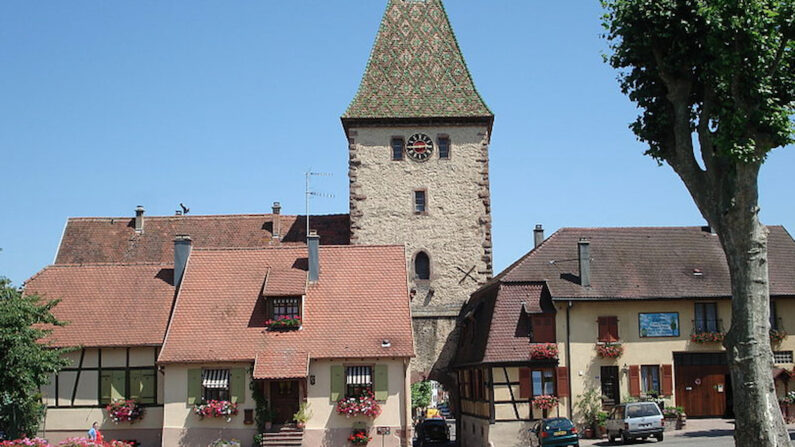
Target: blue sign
{"type": "Point", "coordinates": [663, 324]}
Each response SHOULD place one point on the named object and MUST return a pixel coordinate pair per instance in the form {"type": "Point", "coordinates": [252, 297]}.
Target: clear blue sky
{"type": "Point", "coordinates": [224, 106]}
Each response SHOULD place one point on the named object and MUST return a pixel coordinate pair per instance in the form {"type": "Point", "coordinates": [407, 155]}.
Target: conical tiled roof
{"type": "Point", "coordinates": [416, 69]}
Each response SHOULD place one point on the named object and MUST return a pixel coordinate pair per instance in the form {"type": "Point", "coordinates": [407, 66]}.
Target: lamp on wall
{"type": "Point", "coordinates": [625, 368]}
{"type": "Point", "coordinates": [312, 379]}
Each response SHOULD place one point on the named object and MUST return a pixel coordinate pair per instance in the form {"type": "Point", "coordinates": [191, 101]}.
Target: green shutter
{"type": "Point", "coordinates": [104, 387]}
{"type": "Point", "coordinates": [136, 384]}
{"type": "Point", "coordinates": [337, 382]}
{"type": "Point", "coordinates": [148, 392]}
{"type": "Point", "coordinates": [118, 381]}
{"type": "Point", "coordinates": [237, 385]}
{"type": "Point", "coordinates": [194, 386]}
{"type": "Point", "coordinates": [381, 382]}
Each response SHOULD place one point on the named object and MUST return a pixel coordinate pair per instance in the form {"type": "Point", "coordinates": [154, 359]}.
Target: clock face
{"type": "Point", "coordinates": [419, 147]}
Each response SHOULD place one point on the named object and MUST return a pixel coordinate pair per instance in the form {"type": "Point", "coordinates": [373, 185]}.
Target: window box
{"type": "Point", "coordinates": [707, 337]}
{"type": "Point", "coordinates": [545, 402]}
{"type": "Point", "coordinates": [609, 350]}
{"type": "Point", "coordinates": [364, 405]}
{"type": "Point", "coordinates": [216, 409]}
{"type": "Point", "coordinates": [777, 335]}
{"type": "Point", "coordinates": [284, 322]}
{"type": "Point", "coordinates": [125, 411]}
{"type": "Point", "coordinates": [540, 351]}
{"type": "Point", "coordinates": [359, 437]}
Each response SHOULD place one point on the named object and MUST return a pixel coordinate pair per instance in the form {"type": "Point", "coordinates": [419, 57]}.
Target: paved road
{"type": "Point", "coordinates": [711, 438]}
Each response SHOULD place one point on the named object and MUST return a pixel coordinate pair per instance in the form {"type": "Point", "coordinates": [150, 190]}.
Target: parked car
{"type": "Point", "coordinates": [433, 432]}
{"type": "Point", "coordinates": [556, 432]}
{"type": "Point", "coordinates": [635, 420]}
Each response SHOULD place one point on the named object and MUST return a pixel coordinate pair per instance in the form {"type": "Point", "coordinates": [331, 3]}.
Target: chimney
{"type": "Point", "coordinates": [585, 262]}
{"type": "Point", "coordinates": [313, 243]}
{"type": "Point", "coordinates": [277, 221]}
{"type": "Point", "coordinates": [139, 219]}
{"type": "Point", "coordinates": [182, 247]}
{"type": "Point", "coordinates": [538, 235]}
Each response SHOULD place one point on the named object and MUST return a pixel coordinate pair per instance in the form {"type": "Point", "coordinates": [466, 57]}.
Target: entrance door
{"type": "Point", "coordinates": [610, 390]}
{"type": "Point", "coordinates": [701, 386]}
{"type": "Point", "coordinates": [284, 400]}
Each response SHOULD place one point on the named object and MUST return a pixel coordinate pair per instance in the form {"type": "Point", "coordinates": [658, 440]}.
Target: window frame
{"type": "Point", "coordinates": [209, 394]}
{"type": "Point", "coordinates": [786, 355]}
{"type": "Point", "coordinates": [646, 381]}
{"type": "Point", "coordinates": [272, 305]}
{"type": "Point", "coordinates": [701, 323]}
{"type": "Point", "coordinates": [611, 334]}
{"type": "Point", "coordinates": [415, 270]}
{"type": "Point", "coordinates": [415, 202]}
{"type": "Point", "coordinates": [446, 138]}
{"type": "Point", "coordinates": [392, 152]}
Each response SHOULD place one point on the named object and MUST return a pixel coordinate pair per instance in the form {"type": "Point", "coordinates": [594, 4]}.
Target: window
{"type": "Point", "coordinates": [215, 384]}
{"type": "Point", "coordinates": [780, 357]}
{"type": "Point", "coordinates": [419, 202]}
{"type": "Point", "coordinates": [117, 384]}
{"type": "Point", "coordinates": [706, 317]}
{"type": "Point", "coordinates": [358, 380]}
{"type": "Point", "coordinates": [650, 379]}
{"type": "Point", "coordinates": [444, 148]}
{"type": "Point", "coordinates": [543, 329]}
{"type": "Point", "coordinates": [285, 307]}
{"type": "Point", "coordinates": [543, 382]}
{"type": "Point", "coordinates": [397, 149]}
{"type": "Point", "coordinates": [608, 329]}
{"type": "Point", "coordinates": [422, 266]}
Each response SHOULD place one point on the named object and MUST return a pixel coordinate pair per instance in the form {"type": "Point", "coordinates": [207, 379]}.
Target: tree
{"type": "Point", "coordinates": [26, 363]}
{"type": "Point", "coordinates": [722, 71]}
{"type": "Point", "coordinates": [420, 394]}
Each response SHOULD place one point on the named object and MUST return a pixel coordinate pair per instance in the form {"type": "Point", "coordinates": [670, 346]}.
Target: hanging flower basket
{"type": "Point", "coordinates": [540, 351]}
{"type": "Point", "coordinates": [777, 335]}
{"type": "Point", "coordinates": [216, 409]}
{"type": "Point", "coordinates": [364, 405]}
{"type": "Point", "coordinates": [359, 437]}
{"type": "Point", "coordinates": [284, 322]}
{"type": "Point", "coordinates": [125, 411]}
{"type": "Point", "coordinates": [609, 350]}
{"type": "Point", "coordinates": [545, 402]}
{"type": "Point", "coordinates": [707, 337]}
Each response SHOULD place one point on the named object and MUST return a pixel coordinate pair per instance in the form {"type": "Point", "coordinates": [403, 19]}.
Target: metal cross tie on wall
{"type": "Point", "coordinates": [467, 274]}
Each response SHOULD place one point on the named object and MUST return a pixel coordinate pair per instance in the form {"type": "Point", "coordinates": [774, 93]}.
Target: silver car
{"type": "Point", "coordinates": [635, 420]}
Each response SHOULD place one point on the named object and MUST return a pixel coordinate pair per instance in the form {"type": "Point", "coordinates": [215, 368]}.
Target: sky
{"type": "Point", "coordinates": [224, 106]}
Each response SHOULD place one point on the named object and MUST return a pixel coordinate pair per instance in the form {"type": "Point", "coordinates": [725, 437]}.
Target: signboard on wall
{"type": "Point", "coordinates": [661, 324]}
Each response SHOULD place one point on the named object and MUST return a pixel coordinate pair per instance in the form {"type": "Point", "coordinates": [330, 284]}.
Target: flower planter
{"type": "Point", "coordinates": [609, 350]}
{"type": "Point", "coordinates": [284, 323]}
{"type": "Point", "coordinates": [124, 411]}
{"type": "Point", "coordinates": [707, 337]}
{"type": "Point", "coordinates": [545, 402]}
{"type": "Point", "coordinates": [365, 405]}
{"type": "Point", "coordinates": [541, 351]}
{"type": "Point", "coordinates": [216, 409]}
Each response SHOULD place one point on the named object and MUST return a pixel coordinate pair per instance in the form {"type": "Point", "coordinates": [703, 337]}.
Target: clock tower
{"type": "Point", "coordinates": [418, 138]}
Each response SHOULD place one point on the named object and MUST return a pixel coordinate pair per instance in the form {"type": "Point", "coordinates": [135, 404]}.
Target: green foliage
{"type": "Point", "coordinates": [262, 410]}
{"type": "Point", "coordinates": [589, 405]}
{"type": "Point", "coordinates": [304, 413]}
{"type": "Point", "coordinates": [727, 65]}
{"type": "Point", "coordinates": [420, 394]}
{"type": "Point", "coordinates": [26, 363]}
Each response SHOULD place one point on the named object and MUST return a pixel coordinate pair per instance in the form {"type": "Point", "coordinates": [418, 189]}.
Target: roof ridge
{"type": "Point", "coordinates": [201, 216]}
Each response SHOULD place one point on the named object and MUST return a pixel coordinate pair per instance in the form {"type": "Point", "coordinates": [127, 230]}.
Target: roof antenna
{"type": "Point", "coordinates": [310, 193]}
{"type": "Point", "coordinates": [185, 209]}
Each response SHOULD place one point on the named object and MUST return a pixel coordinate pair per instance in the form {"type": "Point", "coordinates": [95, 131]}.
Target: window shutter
{"type": "Point", "coordinates": [337, 382]}
{"type": "Point", "coordinates": [544, 328]}
{"type": "Point", "coordinates": [524, 383]}
{"type": "Point", "coordinates": [381, 382]}
{"type": "Point", "coordinates": [194, 386]}
{"type": "Point", "coordinates": [148, 391]}
{"type": "Point", "coordinates": [667, 380]}
{"type": "Point", "coordinates": [634, 380]}
{"type": "Point", "coordinates": [612, 328]}
{"type": "Point", "coordinates": [237, 385]}
{"type": "Point", "coordinates": [603, 330]}
{"type": "Point", "coordinates": [104, 387]}
{"type": "Point", "coordinates": [117, 383]}
{"type": "Point", "coordinates": [563, 381]}
{"type": "Point", "coordinates": [136, 384]}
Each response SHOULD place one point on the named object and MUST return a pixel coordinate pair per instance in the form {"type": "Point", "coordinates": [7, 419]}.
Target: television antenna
{"type": "Point", "coordinates": [310, 193]}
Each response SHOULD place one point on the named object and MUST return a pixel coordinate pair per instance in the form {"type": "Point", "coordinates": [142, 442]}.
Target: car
{"type": "Point", "coordinates": [635, 420]}
{"type": "Point", "coordinates": [556, 432]}
{"type": "Point", "coordinates": [433, 432]}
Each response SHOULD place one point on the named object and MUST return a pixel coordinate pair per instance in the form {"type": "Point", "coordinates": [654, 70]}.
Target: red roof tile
{"type": "Point", "coordinates": [285, 283]}
{"type": "Point", "coordinates": [360, 300]}
{"type": "Point", "coordinates": [108, 305]}
{"type": "Point", "coordinates": [114, 239]}
{"type": "Point", "coordinates": [505, 341]}
{"type": "Point", "coordinates": [281, 364]}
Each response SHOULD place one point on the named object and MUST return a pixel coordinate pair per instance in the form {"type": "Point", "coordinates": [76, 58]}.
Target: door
{"type": "Point", "coordinates": [284, 400]}
{"type": "Point", "coordinates": [610, 390]}
{"type": "Point", "coordinates": [701, 386]}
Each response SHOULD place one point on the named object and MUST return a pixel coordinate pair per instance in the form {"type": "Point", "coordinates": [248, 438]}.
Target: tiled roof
{"type": "Point", "coordinates": [360, 300]}
{"type": "Point", "coordinates": [285, 283]}
{"type": "Point", "coordinates": [114, 240]}
{"type": "Point", "coordinates": [416, 68]}
{"type": "Point", "coordinates": [108, 305]}
{"type": "Point", "coordinates": [284, 363]}
{"type": "Point", "coordinates": [637, 263]}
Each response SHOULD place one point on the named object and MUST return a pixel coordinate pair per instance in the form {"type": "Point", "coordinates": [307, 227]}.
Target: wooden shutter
{"type": "Point", "coordinates": [667, 380]}
{"type": "Point", "coordinates": [136, 384]}
{"type": "Point", "coordinates": [118, 381]}
{"type": "Point", "coordinates": [608, 329]}
{"type": "Point", "coordinates": [337, 382]}
{"type": "Point", "coordinates": [381, 382]}
{"type": "Point", "coordinates": [148, 391]}
{"type": "Point", "coordinates": [237, 385]}
{"type": "Point", "coordinates": [104, 387]}
{"type": "Point", "coordinates": [194, 386]}
{"type": "Point", "coordinates": [544, 328]}
{"type": "Point", "coordinates": [563, 381]}
{"type": "Point", "coordinates": [524, 383]}
{"type": "Point", "coordinates": [634, 380]}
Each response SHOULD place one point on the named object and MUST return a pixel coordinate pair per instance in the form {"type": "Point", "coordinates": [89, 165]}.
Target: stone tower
{"type": "Point", "coordinates": [418, 135]}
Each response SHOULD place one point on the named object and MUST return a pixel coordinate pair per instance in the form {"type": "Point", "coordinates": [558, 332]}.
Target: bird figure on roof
{"type": "Point", "coordinates": [185, 209]}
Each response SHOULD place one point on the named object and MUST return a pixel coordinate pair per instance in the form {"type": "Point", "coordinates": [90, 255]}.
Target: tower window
{"type": "Point", "coordinates": [422, 266]}
{"type": "Point", "coordinates": [397, 149]}
{"type": "Point", "coordinates": [420, 202]}
{"type": "Point", "coordinates": [444, 148]}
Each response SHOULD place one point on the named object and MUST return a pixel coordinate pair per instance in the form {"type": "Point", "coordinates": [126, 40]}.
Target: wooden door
{"type": "Point", "coordinates": [284, 400]}
{"type": "Point", "coordinates": [610, 389]}
{"type": "Point", "coordinates": [702, 389]}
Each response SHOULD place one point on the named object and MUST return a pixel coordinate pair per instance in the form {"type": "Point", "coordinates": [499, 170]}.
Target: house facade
{"type": "Point", "coordinates": [628, 313]}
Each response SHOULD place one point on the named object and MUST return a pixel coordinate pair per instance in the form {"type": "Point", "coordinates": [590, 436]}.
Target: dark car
{"type": "Point", "coordinates": [433, 432]}
{"type": "Point", "coordinates": [556, 432]}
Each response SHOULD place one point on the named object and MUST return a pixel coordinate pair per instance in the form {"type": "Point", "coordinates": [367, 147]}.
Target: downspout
{"type": "Point", "coordinates": [406, 404]}
{"type": "Point", "coordinates": [569, 305]}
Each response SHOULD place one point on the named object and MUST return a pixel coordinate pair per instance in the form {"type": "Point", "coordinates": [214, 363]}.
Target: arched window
{"type": "Point", "coordinates": [422, 266]}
